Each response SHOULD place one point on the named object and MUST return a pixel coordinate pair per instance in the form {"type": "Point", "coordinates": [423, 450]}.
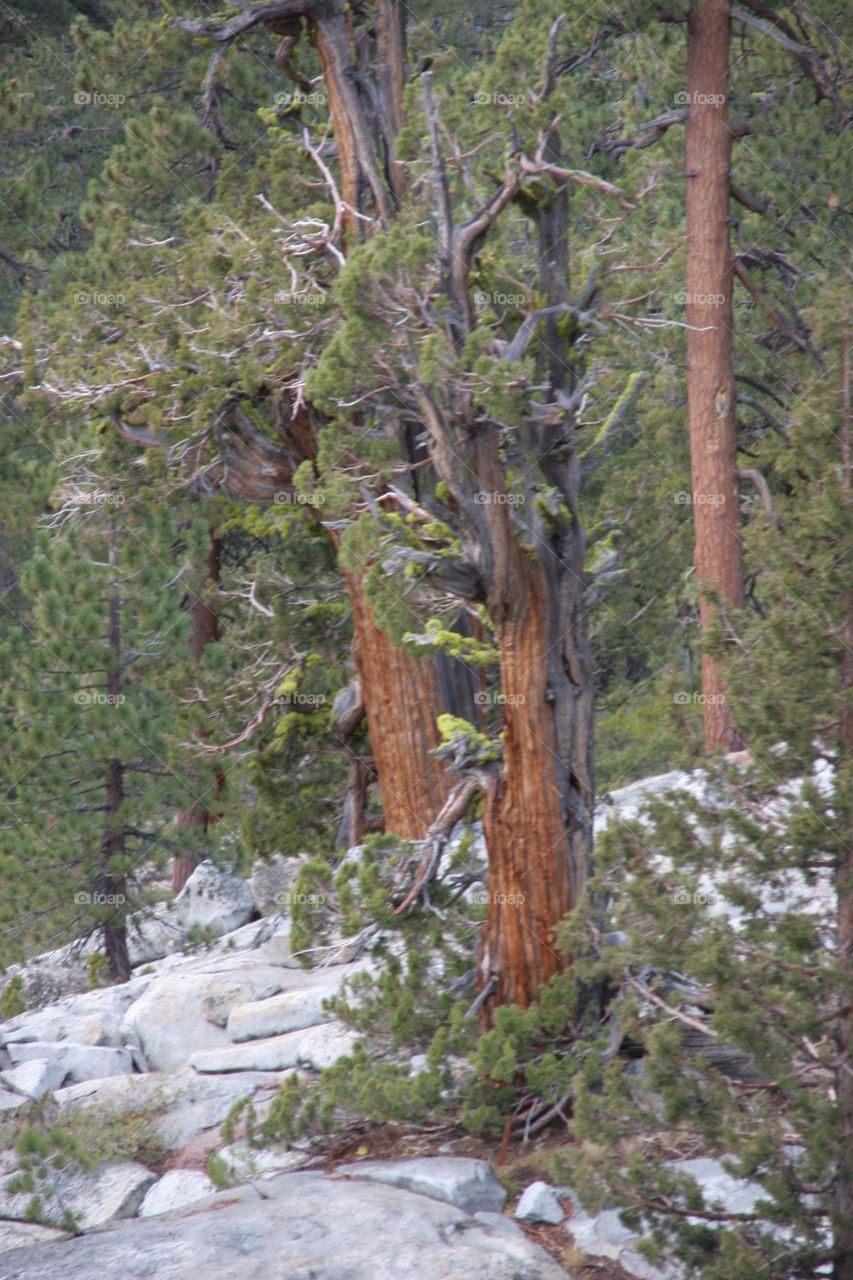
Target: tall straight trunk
{"type": "Point", "coordinates": [403, 697]}
{"type": "Point", "coordinates": [843, 1264]}
{"type": "Point", "coordinates": [710, 375]}
{"type": "Point", "coordinates": [204, 629]}
{"type": "Point", "coordinates": [110, 883]}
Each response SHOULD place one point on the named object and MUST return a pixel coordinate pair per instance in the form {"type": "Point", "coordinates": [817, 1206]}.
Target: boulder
{"type": "Point", "coordinates": [18, 1235]}
{"type": "Point", "coordinates": [273, 882]}
{"type": "Point", "coordinates": [175, 1190]}
{"type": "Point", "coordinates": [318, 1047]}
{"type": "Point", "coordinates": [465, 1183]}
{"type": "Point", "coordinates": [111, 1192]}
{"type": "Point", "coordinates": [222, 998]}
{"type": "Point", "coordinates": [291, 1011]}
{"type": "Point", "coordinates": [304, 1224]}
{"type": "Point", "coordinates": [300, 1005]}
{"type": "Point", "coordinates": [35, 1078]}
{"type": "Point", "coordinates": [48, 978]}
{"type": "Point", "coordinates": [153, 936]}
{"type": "Point", "coordinates": [77, 1061]}
{"type": "Point", "coordinates": [168, 1022]}
{"type": "Point", "coordinates": [539, 1203]}
{"type": "Point", "coordinates": [210, 899]}
{"type": "Point", "coordinates": [93, 1017]}
{"type": "Point", "coordinates": [190, 1103]}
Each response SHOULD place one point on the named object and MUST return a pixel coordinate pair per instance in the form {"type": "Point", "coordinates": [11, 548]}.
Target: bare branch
{"type": "Point", "coordinates": [250, 17]}
{"type": "Point", "coordinates": [763, 488]}
{"type": "Point", "coordinates": [756, 203]}
{"type": "Point", "coordinates": [540, 165]}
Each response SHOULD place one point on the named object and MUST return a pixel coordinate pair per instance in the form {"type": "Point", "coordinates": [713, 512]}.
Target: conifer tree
{"type": "Point", "coordinates": [88, 795]}
{"type": "Point", "coordinates": [731, 971]}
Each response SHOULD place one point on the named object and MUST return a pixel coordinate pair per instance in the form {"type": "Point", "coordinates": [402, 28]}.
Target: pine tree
{"type": "Point", "coordinates": [88, 795]}
{"type": "Point", "coordinates": [731, 974]}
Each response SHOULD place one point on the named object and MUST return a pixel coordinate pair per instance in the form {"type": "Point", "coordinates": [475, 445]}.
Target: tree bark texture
{"type": "Point", "coordinates": [711, 391]}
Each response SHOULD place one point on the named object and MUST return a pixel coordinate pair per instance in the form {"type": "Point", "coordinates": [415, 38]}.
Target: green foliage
{"type": "Point", "coordinates": [48, 1139]}
{"type": "Point", "coordinates": [96, 969]}
{"type": "Point", "coordinates": [725, 913]}
{"type": "Point", "coordinates": [12, 1002]}
{"type": "Point", "coordinates": [218, 1172]}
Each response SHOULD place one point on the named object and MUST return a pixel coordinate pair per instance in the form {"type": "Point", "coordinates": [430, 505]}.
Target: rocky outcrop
{"type": "Point", "coordinates": [273, 884]}
{"type": "Point", "coordinates": [315, 1047]}
{"type": "Point", "coordinates": [196, 1032]}
{"type": "Point", "coordinates": [211, 900]}
{"type": "Point", "coordinates": [298, 1224]}
{"type": "Point", "coordinates": [169, 1022]}
{"type": "Point", "coordinates": [468, 1184]}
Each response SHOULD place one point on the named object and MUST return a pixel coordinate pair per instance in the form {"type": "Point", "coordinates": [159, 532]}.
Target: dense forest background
{"type": "Point", "coordinates": [347, 423]}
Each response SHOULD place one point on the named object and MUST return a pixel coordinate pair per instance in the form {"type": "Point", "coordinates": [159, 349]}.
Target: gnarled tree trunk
{"type": "Point", "coordinates": [364, 80]}
{"type": "Point", "coordinates": [402, 700]}
{"type": "Point", "coordinates": [710, 374]}
{"type": "Point", "coordinates": [527, 560]}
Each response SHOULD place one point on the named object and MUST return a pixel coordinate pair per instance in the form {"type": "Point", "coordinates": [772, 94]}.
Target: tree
{"type": "Point", "coordinates": [87, 796]}
{"type": "Point", "coordinates": [733, 965]}
{"type": "Point", "coordinates": [497, 394]}
{"type": "Point", "coordinates": [204, 630]}
{"type": "Point", "coordinates": [711, 393]}
{"type": "Point", "coordinates": [363, 89]}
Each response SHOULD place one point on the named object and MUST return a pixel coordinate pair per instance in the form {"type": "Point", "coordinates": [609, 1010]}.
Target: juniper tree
{"type": "Point", "coordinates": [250, 424]}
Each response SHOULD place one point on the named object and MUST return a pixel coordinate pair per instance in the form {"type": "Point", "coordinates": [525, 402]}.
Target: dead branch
{"type": "Point", "coordinates": [763, 488]}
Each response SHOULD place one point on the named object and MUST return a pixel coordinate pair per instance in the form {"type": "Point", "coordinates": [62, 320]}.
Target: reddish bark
{"type": "Point", "coordinates": [537, 815]}
{"type": "Point", "coordinates": [711, 391]}
{"type": "Point", "coordinates": [402, 700]}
